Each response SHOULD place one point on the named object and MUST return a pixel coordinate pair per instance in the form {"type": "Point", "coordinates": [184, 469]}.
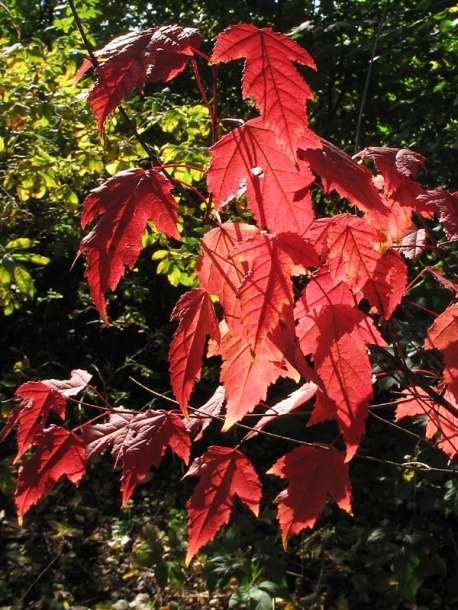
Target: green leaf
{"type": "Point", "coordinates": [24, 281]}
{"type": "Point", "coordinates": [22, 243]}
{"type": "Point", "coordinates": [36, 259]}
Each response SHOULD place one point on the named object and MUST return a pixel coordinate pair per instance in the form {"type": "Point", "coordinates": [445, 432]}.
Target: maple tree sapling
{"type": "Point", "coordinates": [295, 293]}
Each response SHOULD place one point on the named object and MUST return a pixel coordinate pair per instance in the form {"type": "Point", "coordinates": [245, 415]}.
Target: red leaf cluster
{"type": "Point", "coordinates": [297, 293]}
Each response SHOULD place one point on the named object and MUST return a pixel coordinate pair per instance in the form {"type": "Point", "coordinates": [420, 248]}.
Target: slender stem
{"type": "Point", "coordinates": [18, 604]}
{"type": "Point", "coordinates": [400, 429]}
{"type": "Point", "coordinates": [201, 89]}
{"type": "Point", "coordinates": [417, 466]}
{"type": "Point", "coordinates": [369, 74]}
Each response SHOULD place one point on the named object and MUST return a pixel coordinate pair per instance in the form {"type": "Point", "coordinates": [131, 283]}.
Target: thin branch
{"type": "Point", "coordinates": [95, 62]}
{"type": "Point", "coordinates": [18, 604]}
{"type": "Point", "coordinates": [416, 380]}
{"type": "Point", "coordinates": [401, 429]}
{"type": "Point", "coordinates": [154, 159]}
{"type": "Point", "coordinates": [368, 76]}
{"type": "Point", "coordinates": [417, 466]}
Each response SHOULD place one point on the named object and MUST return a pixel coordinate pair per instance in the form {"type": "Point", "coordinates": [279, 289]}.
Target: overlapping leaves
{"type": "Point", "coordinates": [295, 294]}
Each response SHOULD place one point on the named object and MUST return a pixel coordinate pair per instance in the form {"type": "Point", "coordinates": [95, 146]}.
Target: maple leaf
{"type": "Point", "coordinates": [313, 473]}
{"type": "Point", "coordinates": [337, 336]}
{"type": "Point", "coordinates": [269, 77]}
{"type": "Point", "coordinates": [58, 452]}
{"type": "Point", "coordinates": [385, 289]}
{"type": "Point", "coordinates": [301, 252]}
{"type": "Point", "coordinates": [413, 244]}
{"type": "Point", "coordinates": [397, 165]}
{"type": "Point", "coordinates": [218, 272]}
{"type": "Point", "coordinates": [284, 407]}
{"type": "Point", "coordinates": [266, 289]}
{"type": "Point", "coordinates": [445, 206]}
{"type": "Point", "coordinates": [354, 249]}
{"type": "Point", "coordinates": [246, 375]}
{"type": "Point", "coordinates": [342, 362]}
{"type": "Point", "coordinates": [397, 185]}
{"type": "Point", "coordinates": [224, 472]}
{"type": "Point", "coordinates": [38, 399]}
{"type": "Point", "coordinates": [139, 441]}
{"type": "Point", "coordinates": [438, 418]}
{"type": "Point", "coordinates": [443, 335]}
{"type": "Point", "coordinates": [277, 188]}
{"type": "Point", "coordinates": [125, 203]}
{"type": "Point", "coordinates": [197, 319]}
{"type": "Point", "coordinates": [265, 294]}
{"type": "Point", "coordinates": [155, 54]}
{"type": "Point", "coordinates": [202, 417]}
{"type": "Point", "coordinates": [70, 387]}
{"type": "Point", "coordinates": [338, 171]}
{"type": "Point", "coordinates": [443, 332]}
{"type": "Point", "coordinates": [97, 437]}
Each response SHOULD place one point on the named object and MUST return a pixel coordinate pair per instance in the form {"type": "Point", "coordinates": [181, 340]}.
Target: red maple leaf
{"type": "Point", "coordinates": [443, 332]}
{"type": "Point", "coordinates": [197, 319]}
{"type": "Point", "coordinates": [338, 171]}
{"type": "Point", "coordinates": [342, 362]}
{"type": "Point", "coordinates": [356, 256]}
{"type": "Point", "coordinates": [38, 399]}
{"type": "Point", "coordinates": [313, 473]}
{"type": "Point", "coordinates": [125, 203]}
{"type": "Point", "coordinates": [413, 244]}
{"type": "Point", "coordinates": [70, 387]}
{"type": "Point", "coordinates": [337, 335]}
{"type": "Point", "coordinates": [97, 437]}
{"type": "Point", "coordinates": [396, 182]}
{"type": "Point", "coordinates": [218, 272]}
{"type": "Point", "coordinates": [284, 407]}
{"type": "Point", "coordinates": [58, 452]}
{"type": "Point", "coordinates": [443, 335]}
{"type": "Point", "coordinates": [139, 441]}
{"type": "Point", "coordinates": [439, 420]}
{"type": "Point", "coordinates": [265, 293]}
{"type": "Point", "coordinates": [246, 375]}
{"type": "Point", "coordinates": [270, 78]}
{"type": "Point", "coordinates": [156, 54]}
{"type": "Point", "coordinates": [445, 206]}
{"type": "Point", "coordinates": [224, 472]}
{"type": "Point", "coordinates": [202, 417]}
{"type": "Point", "coordinates": [397, 165]}
{"type": "Point", "coordinates": [277, 188]}
{"type": "Point", "coordinates": [266, 290]}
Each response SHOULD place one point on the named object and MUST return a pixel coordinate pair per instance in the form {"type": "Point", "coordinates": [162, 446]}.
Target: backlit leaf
{"type": "Point", "coordinates": [125, 203]}
{"type": "Point", "coordinates": [224, 472]}
{"type": "Point", "coordinates": [197, 319]}
{"type": "Point", "coordinates": [270, 78]}
{"type": "Point", "coordinates": [277, 188]}
{"type": "Point", "coordinates": [58, 452]}
{"type": "Point", "coordinates": [156, 54]}
{"type": "Point", "coordinates": [138, 440]}
{"type": "Point", "coordinates": [313, 473]}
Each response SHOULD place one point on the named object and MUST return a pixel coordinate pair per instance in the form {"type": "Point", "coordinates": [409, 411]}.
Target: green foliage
{"type": "Point", "coordinates": [255, 576]}
{"type": "Point", "coordinates": [16, 283]}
